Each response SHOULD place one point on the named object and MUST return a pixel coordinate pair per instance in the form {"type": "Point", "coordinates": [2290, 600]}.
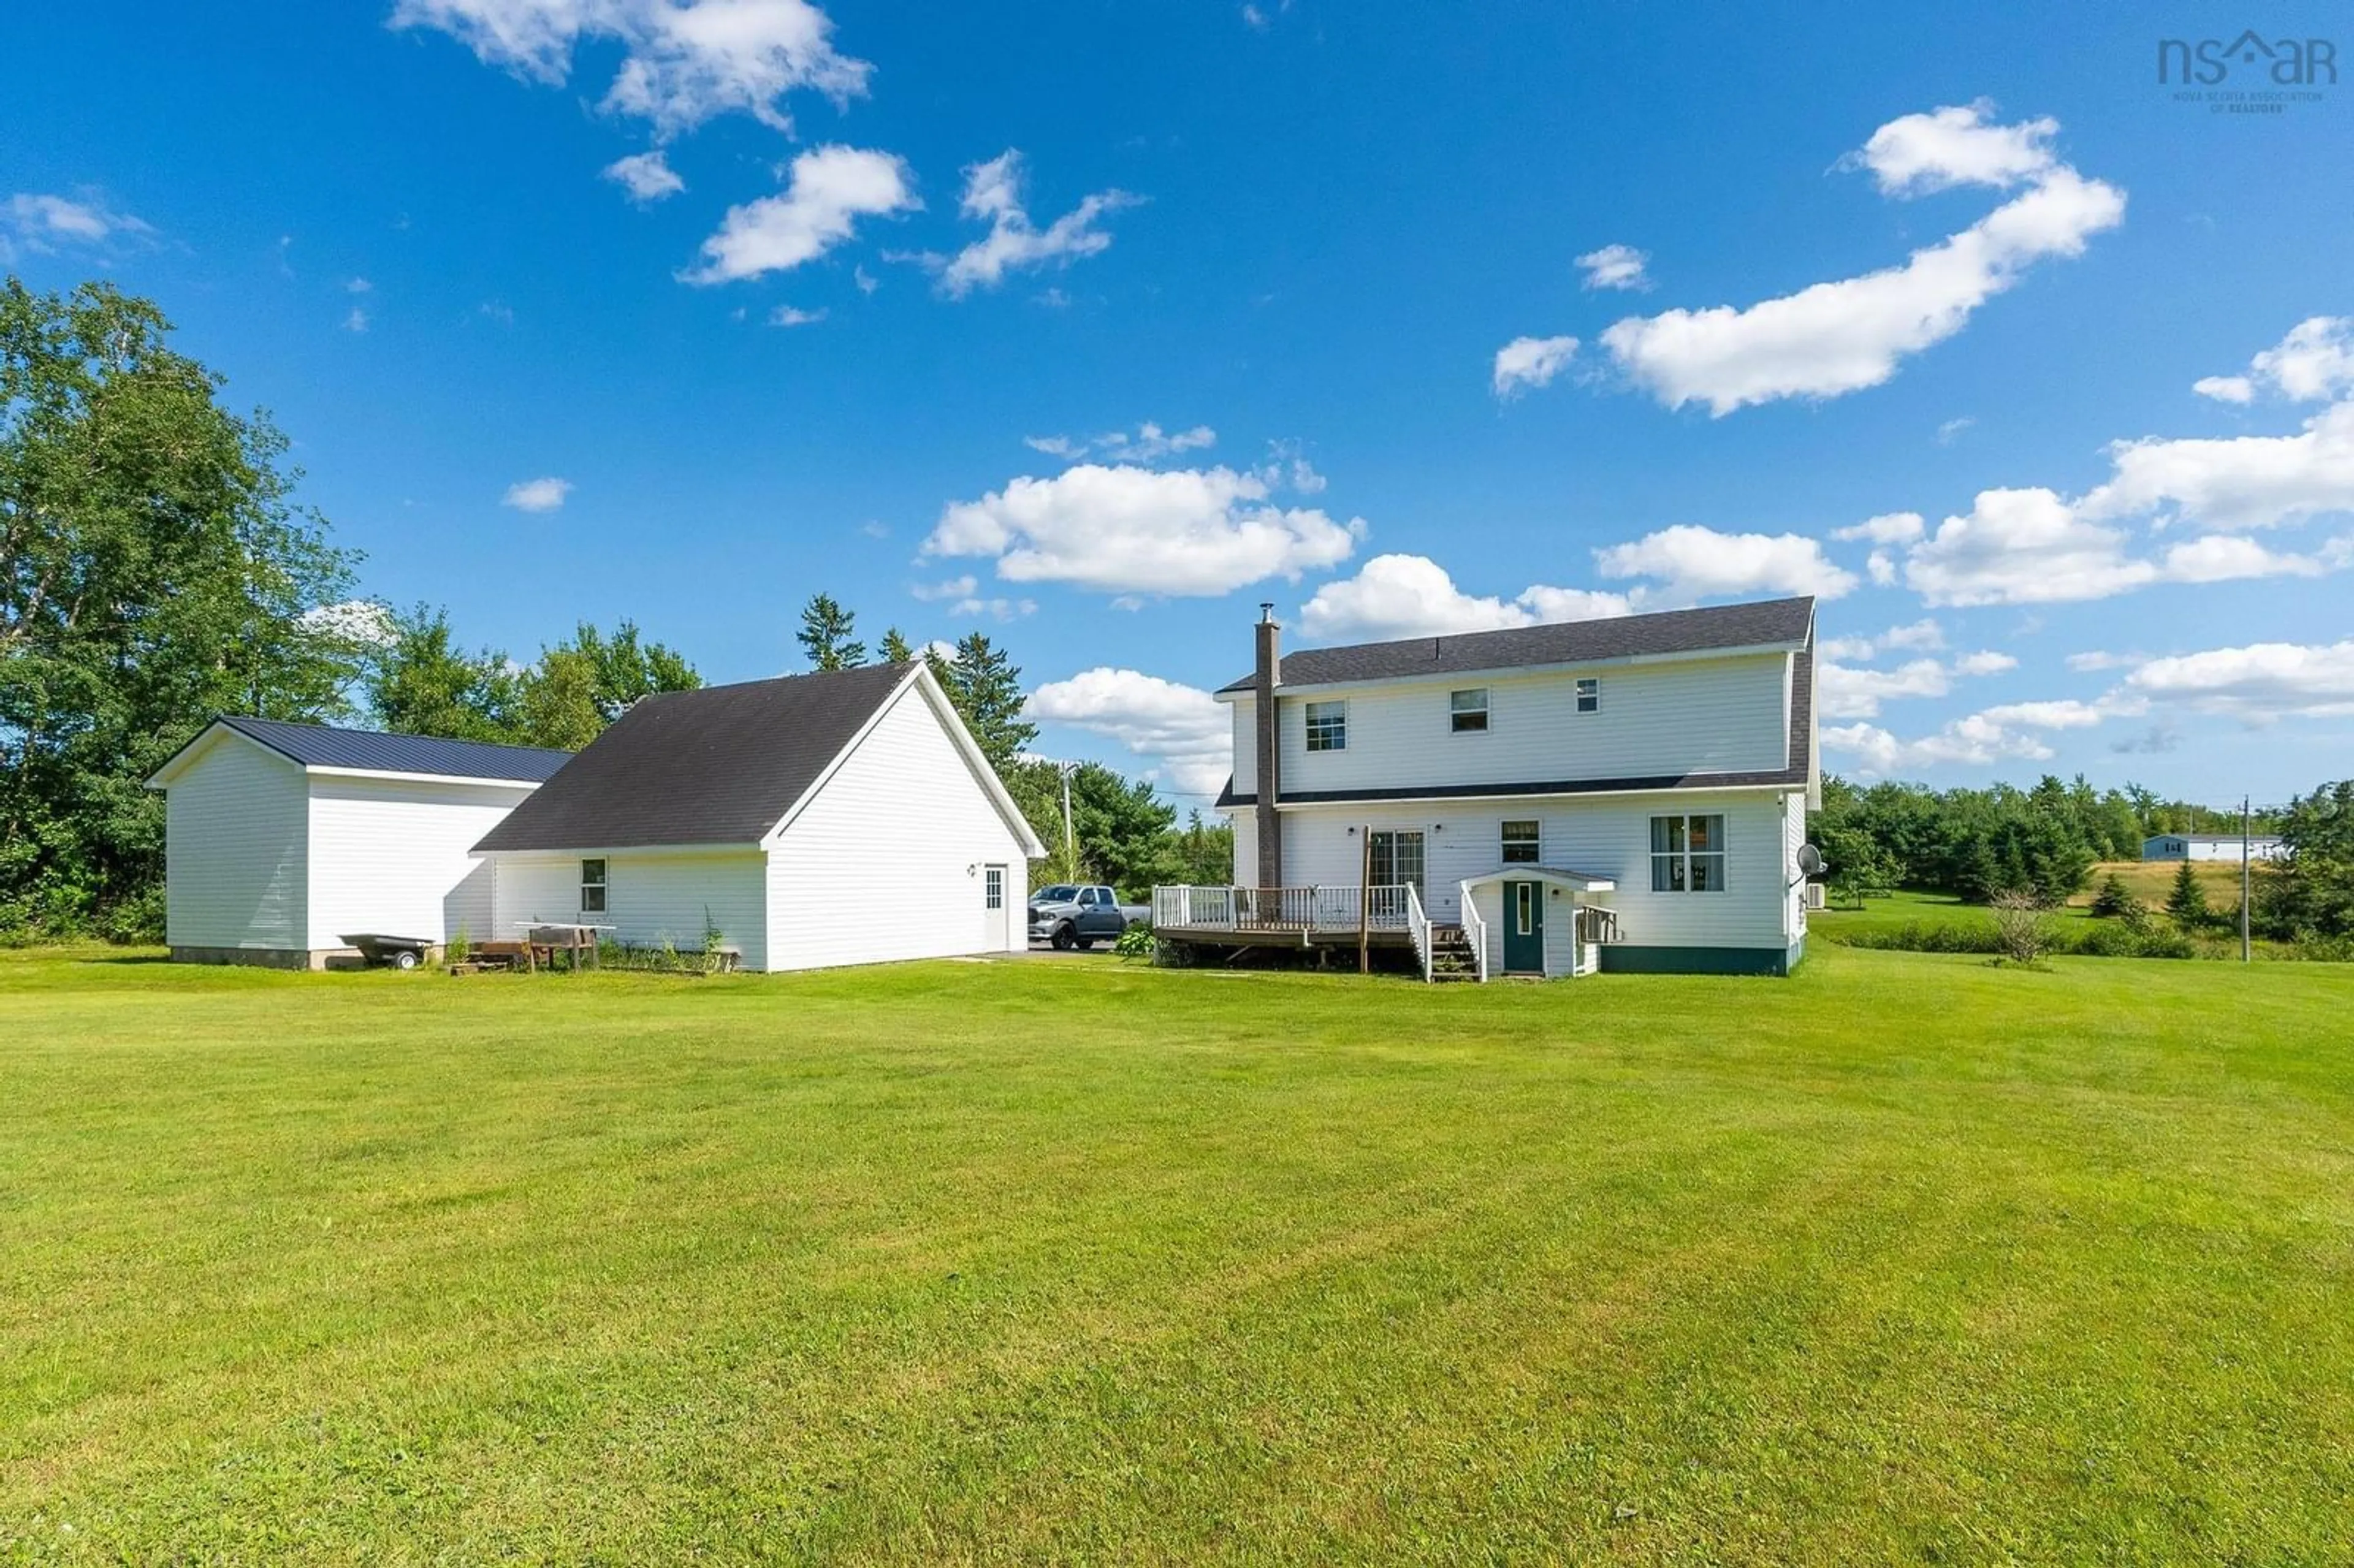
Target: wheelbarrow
{"type": "Point", "coordinates": [399, 952]}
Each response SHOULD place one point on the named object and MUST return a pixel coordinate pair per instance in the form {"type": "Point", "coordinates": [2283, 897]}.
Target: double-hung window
{"type": "Point", "coordinates": [1688, 854]}
{"type": "Point", "coordinates": [1328, 727]}
{"type": "Point", "coordinates": [1521, 844]}
{"type": "Point", "coordinates": [1468, 711]}
{"type": "Point", "coordinates": [592, 888]}
{"type": "Point", "coordinates": [1589, 694]}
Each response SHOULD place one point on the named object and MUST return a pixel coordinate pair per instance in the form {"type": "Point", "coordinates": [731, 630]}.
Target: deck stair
{"type": "Point", "coordinates": [1451, 957]}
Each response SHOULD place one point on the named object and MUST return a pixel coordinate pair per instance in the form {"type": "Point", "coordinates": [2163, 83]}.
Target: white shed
{"type": "Point", "coordinates": [2208, 846]}
{"type": "Point", "coordinates": [282, 838]}
{"type": "Point", "coordinates": [839, 818]}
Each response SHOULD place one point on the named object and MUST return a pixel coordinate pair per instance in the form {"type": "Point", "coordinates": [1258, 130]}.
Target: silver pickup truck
{"type": "Point", "coordinates": [1069, 914]}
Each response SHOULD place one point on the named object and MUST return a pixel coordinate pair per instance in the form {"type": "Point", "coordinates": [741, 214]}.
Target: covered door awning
{"type": "Point", "coordinates": [1576, 881]}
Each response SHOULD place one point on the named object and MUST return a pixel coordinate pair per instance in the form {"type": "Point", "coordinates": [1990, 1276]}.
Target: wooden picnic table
{"type": "Point", "coordinates": [548, 937]}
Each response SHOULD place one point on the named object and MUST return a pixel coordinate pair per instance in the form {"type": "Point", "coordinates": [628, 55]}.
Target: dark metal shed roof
{"type": "Point", "coordinates": [718, 766]}
{"type": "Point", "coordinates": [1767, 623]}
{"type": "Point", "coordinates": [324, 746]}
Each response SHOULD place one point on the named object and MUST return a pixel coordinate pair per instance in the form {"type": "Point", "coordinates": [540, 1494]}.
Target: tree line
{"type": "Point", "coordinates": [2044, 840]}
{"type": "Point", "coordinates": [157, 570]}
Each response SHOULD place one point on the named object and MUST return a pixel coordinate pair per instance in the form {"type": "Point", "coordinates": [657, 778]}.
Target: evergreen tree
{"type": "Point", "coordinates": [2185, 902]}
{"type": "Point", "coordinates": [2115, 901]}
{"type": "Point", "coordinates": [896, 650]}
{"type": "Point", "coordinates": [985, 684]}
{"type": "Point", "coordinates": [826, 635]}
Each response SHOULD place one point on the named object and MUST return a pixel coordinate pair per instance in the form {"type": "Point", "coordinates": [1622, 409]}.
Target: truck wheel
{"type": "Point", "coordinates": [1063, 936]}
{"type": "Point", "coordinates": [1087, 944]}
{"type": "Point", "coordinates": [404, 960]}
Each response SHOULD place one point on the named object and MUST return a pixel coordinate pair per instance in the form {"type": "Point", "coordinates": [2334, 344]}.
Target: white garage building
{"type": "Point", "coordinates": [839, 818]}
{"type": "Point", "coordinates": [282, 838]}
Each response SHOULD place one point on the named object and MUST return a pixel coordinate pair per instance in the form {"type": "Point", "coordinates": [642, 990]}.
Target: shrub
{"type": "Point", "coordinates": [2022, 926]}
{"type": "Point", "coordinates": [137, 918]}
{"type": "Point", "coordinates": [461, 942]}
{"type": "Point", "coordinates": [1135, 941]}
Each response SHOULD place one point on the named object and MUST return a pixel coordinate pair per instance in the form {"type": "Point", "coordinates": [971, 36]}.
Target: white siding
{"type": "Point", "coordinates": [884, 864]}
{"type": "Point", "coordinates": [235, 851]}
{"type": "Point", "coordinates": [1794, 836]}
{"type": "Point", "coordinates": [1709, 715]}
{"type": "Point", "coordinates": [1245, 823]}
{"type": "Point", "coordinates": [650, 896]}
{"type": "Point", "coordinates": [393, 857]}
{"type": "Point", "coordinates": [1605, 836]}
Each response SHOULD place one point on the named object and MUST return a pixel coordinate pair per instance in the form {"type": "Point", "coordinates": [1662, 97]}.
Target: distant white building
{"type": "Point", "coordinates": [2208, 846]}
{"type": "Point", "coordinates": [282, 839]}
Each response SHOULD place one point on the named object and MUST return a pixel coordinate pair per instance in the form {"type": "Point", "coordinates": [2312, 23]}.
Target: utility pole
{"type": "Point", "coordinates": [2246, 816]}
{"type": "Point", "coordinates": [1070, 843]}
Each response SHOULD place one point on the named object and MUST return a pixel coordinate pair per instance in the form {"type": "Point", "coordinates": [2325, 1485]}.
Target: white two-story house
{"type": "Point", "coordinates": [1627, 794]}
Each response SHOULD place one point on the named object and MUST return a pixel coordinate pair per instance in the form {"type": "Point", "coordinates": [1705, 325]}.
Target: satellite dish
{"type": "Point", "coordinates": [1810, 861]}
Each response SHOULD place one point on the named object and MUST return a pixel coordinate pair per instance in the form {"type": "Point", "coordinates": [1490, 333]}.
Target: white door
{"type": "Point", "coordinates": [993, 917]}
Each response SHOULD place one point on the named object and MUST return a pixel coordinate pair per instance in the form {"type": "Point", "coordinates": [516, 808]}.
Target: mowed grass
{"type": "Point", "coordinates": [1906, 1257]}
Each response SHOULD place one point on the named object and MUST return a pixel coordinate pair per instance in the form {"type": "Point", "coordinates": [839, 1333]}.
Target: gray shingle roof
{"type": "Point", "coordinates": [1767, 623]}
{"type": "Point", "coordinates": [719, 766]}
{"type": "Point", "coordinates": [324, 746]}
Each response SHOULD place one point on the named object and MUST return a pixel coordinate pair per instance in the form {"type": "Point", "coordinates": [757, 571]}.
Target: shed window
{"type": "Point", "coordinates": [1328, 727]}
{"type": "Point", "coordinates": [1468, 711]}
{"type": "Point", "coordinates": [1589, 694]}
{"type": "Point", "coordinates": [592, 888]}
{"type": "Point", "coordinates": [1521, 844]}
{"type": "Point", "coordinates": [1688, 854]}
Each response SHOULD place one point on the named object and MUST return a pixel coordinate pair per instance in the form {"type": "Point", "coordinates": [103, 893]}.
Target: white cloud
{"type": "Point", "coordinates": [359, 286]}
{"type": "Point", "coordinates": [356, 319]}
{"type": "Point", "coordinates": [1918, 154]}
{"type": "Point", "coordinates": [1926, 634]}
{"type": "Point", "coordinates": [647, 177]}
{"type": "Point", "coordinates": [963, 587]}
{"type": "Point", "coordinates": [1971, 741]}
{"type": "Point", "coordinates": [1130, 529]}
{"type": "Point", "coordinates": [831, 188]}
{"type": "Point", "coordinates": [1527, 362]}
{"type": "Point", "coordinates": [2225, 389]}
{"type": "Point", "coordinates": [867, 282]}
{"type": "Point", "coordinates": [793, 316]}
{"type": "Point", "coordinates": [1187, 733]}
{"type": "Point", "coordinates": [1056, 446]}
{"type": "Point", "coordinates": [1616, 267]}
{"type": "Point", "coordinates": [1881, 566]}
{"type": "Point", "coordinates": [684, 61]}
{"type": "Point", "coordinates": [2261, 682]}
{"type": "Point", "coordinates": [2022, 546]}
{"type": "Point", "coordinates": [1692, 563]}
{"type": "Point", "coordinates": [2314, 362]}
{"type": "Point", "coordinates": [1888, 528]}
{"type": "Point", "coordinates": [1984, 662]}
{"type": "Point", "coordinates": [2094, 659]}
{"type": "Point", "coordinates": [1919, 636]}
{"type": "Point", "coordinates": [536, 494]}
{"type": "Point", "coordinates": [1951, 430]}
{"type": "Point", "coordinates": [992, 191]}
{"type": "Point", "coordinates": [1147, 443]}
{"type": "Point", "coordinates": [1398, 595]}
{"type": "Point", "coordinates": [1839, 337]}
{"type": "Point", "coordinates": [2241, 482]}
{"type": "Point", "coordinates": [1845, 692]}
{"type": "Point", "coordinates": [2221, 557]}
{"type": "Point", "coordinates": [44, 223]}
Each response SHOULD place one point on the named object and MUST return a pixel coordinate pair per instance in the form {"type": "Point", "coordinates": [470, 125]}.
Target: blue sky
{"type": "Point", "coordinates": [1274, 302]}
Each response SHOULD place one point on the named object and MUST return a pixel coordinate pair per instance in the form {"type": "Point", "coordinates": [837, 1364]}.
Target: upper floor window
{"type": "Point", "coordinates": [1328, 727]}
{"type": "Point", "coordinates": [1688, 854]}
{"type": "Point", "coordinates": [592, 888]}
{"type": "Point", "coordinates": [1521, 844]}
{"type": "Point", "coordinates": [1589, 694]}
{"type": "Point", "coordinates": [1468, 711]}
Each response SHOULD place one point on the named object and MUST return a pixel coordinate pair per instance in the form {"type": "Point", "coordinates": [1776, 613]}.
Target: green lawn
{"type": "Point", "coordinates": [1908, 1257]}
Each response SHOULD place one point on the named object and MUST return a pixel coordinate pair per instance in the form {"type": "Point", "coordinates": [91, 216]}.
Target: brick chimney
{"type": "Point", "coordinates": [1268, 677]}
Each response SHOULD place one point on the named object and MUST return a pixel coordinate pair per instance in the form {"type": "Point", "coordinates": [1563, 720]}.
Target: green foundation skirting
{"type": "Point", "coordinates": [1619, 959]}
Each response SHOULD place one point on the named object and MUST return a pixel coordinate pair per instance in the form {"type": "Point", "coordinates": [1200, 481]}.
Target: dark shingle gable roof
{"type": "Point", "coordinates": [324, 745]}
{"type": "Point", "coordinates": [718, 766]}
{"type": "Point", "coordinates": [1763, 624]}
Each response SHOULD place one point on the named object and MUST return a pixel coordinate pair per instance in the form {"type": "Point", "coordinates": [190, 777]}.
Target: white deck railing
{"type": "Point", "coordinates": [1474, 931]}
{"type": "Point", "coordinates": [1387, 909]}
{"type": "Point", "coordinates": [1418, 926]}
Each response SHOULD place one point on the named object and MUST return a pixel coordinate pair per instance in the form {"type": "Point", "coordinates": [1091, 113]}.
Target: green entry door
{"type": "Point", "coordinates": [1524, 927]}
